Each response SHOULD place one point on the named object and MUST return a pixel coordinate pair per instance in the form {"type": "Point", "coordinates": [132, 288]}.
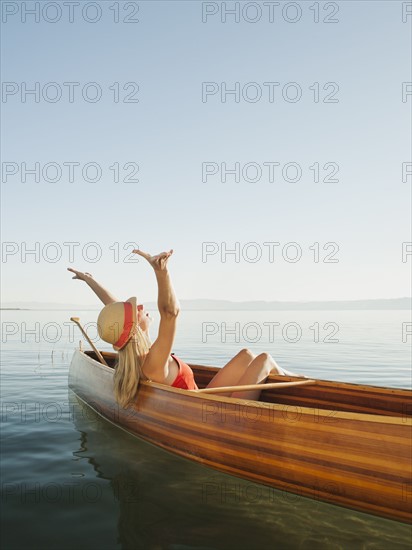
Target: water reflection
{"type": "Point", "coordinates": [166, 502]}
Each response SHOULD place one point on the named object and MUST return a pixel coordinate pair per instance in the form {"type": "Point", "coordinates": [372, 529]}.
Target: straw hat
{"type": "Point", "coordinates": [117, 322]}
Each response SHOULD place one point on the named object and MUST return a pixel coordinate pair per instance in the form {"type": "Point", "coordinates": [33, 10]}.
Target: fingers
{"type": "Point", "coordinates": [76, 273]}
{"type": "Point", "coordinates": [148, 256]}
{"type": "Point", "coordinates": [165, 254]}
{"type": "Point", "coordinates": [79, 274]}
{"type": "Point", "coordinates": [141, 253]}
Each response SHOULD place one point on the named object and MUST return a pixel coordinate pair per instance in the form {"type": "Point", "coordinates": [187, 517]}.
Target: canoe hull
{"type": "Point", "coordinates": [360, 461]}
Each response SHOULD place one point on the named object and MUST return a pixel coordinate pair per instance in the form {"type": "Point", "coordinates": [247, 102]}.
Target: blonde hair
{"type": "Point", "coordinates": [129, 368]}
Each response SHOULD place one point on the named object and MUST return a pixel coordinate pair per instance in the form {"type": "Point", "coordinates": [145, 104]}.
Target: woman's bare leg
{"type": "Point", "coordinates": [256, 373]}
{"type": "Point", "coordinates": [232, 371]}
{"type": "Point", "coordinates": [289, 373]}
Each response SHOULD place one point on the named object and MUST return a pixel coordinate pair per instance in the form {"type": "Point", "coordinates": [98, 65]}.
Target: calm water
{"type": "Point", "coordinates": [72, 480]}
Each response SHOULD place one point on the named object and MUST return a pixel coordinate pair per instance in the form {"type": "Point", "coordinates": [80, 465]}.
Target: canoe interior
{"type": "Point", "coordinates": [329, 395]}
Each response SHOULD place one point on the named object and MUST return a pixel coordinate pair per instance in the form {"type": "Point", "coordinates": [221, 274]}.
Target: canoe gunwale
{"type": "Point", "coordinates": [366, 417]}
{"type": "Point", "coordinates": [326, 383]}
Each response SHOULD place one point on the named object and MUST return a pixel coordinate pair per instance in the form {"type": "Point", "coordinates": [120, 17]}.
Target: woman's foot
{"type": "Point", "coordinates": [289, 373]}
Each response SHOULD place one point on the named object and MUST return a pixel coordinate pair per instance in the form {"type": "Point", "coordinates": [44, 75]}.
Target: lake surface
{"type": "Point", "coordinates": [72, 480]}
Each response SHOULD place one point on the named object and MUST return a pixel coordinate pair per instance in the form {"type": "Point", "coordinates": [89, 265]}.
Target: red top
{"type": "Point", "coordinates": [185, 379]}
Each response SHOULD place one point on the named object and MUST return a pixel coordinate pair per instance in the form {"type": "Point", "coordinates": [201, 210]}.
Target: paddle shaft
{"type": "Point", "coordinates": [273, 386]}
{"type": "Point", "coordinates": [97, 352]}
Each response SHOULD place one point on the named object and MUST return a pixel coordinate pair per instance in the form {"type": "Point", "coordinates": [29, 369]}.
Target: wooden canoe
{"type": "Point", "coordinates": [346, 444]}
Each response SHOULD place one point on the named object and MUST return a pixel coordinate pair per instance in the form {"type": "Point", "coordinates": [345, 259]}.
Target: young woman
{"type": "Point", "coordinates": [125, 325]}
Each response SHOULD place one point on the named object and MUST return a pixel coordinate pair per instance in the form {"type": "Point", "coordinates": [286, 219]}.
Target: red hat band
{"type": "Point", "coordinates": [127, 325]}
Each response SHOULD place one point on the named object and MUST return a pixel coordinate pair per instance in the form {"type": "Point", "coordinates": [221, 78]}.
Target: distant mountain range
{"type": "Point", "coordinates": [226, 305]}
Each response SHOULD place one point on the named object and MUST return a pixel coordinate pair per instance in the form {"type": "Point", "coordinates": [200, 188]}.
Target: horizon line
{"type": "Point", "coordinates": [231, 301]}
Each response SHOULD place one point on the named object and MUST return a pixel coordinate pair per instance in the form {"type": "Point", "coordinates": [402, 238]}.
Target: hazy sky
{"type": "Point", "coordinates": [311, 100]}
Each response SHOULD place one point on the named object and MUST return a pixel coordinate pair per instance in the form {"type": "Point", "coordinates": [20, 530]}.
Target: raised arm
{"type": "Point", "coordinates": [167, 302]}
{"type": "Point", "coordinates": [105, 296]}
{"type": "Point", "coordinates": [157, 360]}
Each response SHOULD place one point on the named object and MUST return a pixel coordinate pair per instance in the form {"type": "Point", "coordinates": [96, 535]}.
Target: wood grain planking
{"type": "Point", "coordinates": [357, 460]}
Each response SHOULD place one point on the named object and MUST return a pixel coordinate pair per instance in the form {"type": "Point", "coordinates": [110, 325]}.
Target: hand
{"type": "Point", "coordinates": [159, 262]}
{"type": "Point", "coordinates": [80, 275]}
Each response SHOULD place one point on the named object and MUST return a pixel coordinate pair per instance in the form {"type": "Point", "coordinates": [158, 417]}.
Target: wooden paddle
{"type": "Point", "coordinates": [97, 352]}
{"type": "Point", "coordinates": [274, 386]}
